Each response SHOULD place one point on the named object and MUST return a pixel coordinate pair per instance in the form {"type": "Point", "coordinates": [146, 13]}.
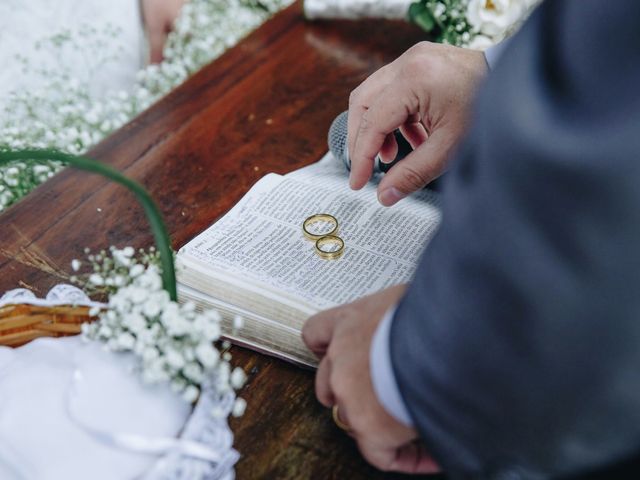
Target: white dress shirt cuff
{"type": "Point", "coordinates": [382, 376]}
{"type": "Point", "coordinates": [493, 54]}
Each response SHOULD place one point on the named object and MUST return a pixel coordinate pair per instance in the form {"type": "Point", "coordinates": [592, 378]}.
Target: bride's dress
{"type": "Point", "coordinates": [25, 22]}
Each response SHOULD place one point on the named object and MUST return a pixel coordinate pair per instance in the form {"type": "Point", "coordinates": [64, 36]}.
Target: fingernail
{"type": "Point", "coordinates": [390, 196]}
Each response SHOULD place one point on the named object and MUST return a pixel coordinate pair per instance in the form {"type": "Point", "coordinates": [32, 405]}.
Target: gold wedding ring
{"type": "Point", "coordinates": [329, 246]}
{"type": "Point", "coordinates": [336, 419]}
{"type": "Point", "coordinates": [328, 222]}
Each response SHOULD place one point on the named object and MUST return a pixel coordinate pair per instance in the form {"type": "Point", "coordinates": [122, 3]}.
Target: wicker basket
{"type": "Point", "coordinates": [21, 323]}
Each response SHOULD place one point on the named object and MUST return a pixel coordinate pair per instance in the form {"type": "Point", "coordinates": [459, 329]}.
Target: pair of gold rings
{"type": "Point", "coordinates": [323, 229]}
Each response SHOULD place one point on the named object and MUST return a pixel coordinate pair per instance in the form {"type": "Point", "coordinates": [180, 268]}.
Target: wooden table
{"type": "Point", "coordinates": [264, 106]}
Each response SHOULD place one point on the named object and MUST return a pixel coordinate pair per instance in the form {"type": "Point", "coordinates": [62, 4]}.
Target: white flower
{"type": "Point", "coordinates": [178, 385]}
{"type": "Point", "coordinates": [75, 265]}
{"type": "Point", "coordinates": [150, 279]}
{"type": "Point", "coordinates": [238, 377]}
{"type": "Point", "coordinates": [207, 355]}
{"type": "Point", "coordinates": [105, 331]}
{"type": "Point", "coordinates": [119, 302]}
{"type": "Point", "coordinates": [206, 328]}
{"type": "Point", "coordinates": [150, 354]}
{"type": "Point", "coordinates": [193, 372]}
{"type": "Point", "coordinates": [174, 359]}
{"type": "Point", "coordinates": [136, 270]}
{"type": "Point", "coordinates": [190, 394]}
{"type": "Point", "coordinates": [126, 341]}
{"type": "Point", "coordinates": [154, 372]}
{"type": "Point", "coordinates": [494, 18]}
{"type": "Point", "coordinates": [176, 326]}
{"type": "Point", "coordinates": [134, 322]}
{"type": "Point", "coordinates": [239, 407]}
{"type": "Point", "coordinates": [96, 279]}
{"type": "Point", "coordinates": [151, 308]}
{"type": "Point", "coordinates": [480, 42]}
{"type": "Point", "coordinates": [173, 343]}
{"type": "Point", "coordinates": [136, 295]}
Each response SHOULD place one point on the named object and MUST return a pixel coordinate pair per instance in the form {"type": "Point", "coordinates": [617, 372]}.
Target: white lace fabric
{"type": "Point", "coordinates": [62, 294]}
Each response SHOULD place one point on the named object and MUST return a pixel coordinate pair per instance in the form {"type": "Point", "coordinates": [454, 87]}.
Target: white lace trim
{"type": "Point", "coordinates": [209, 430]}
{"type": "Point", "coordinates": [62, 294]}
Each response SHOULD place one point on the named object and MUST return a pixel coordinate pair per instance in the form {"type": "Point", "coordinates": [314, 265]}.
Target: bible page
{"type": "Point", "coordinates": [261, 242]}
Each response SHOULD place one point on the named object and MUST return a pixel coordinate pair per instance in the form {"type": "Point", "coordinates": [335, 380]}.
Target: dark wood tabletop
{"type": "Point", "coordinates": [264, 106]}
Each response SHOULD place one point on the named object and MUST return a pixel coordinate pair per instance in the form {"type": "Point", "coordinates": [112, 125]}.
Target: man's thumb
{"type": "Point", "coordinates": [424, 164]}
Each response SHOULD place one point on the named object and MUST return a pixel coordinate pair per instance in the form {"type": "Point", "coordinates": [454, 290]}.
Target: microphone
{"type": "Point", "coordinates": [339, 148]}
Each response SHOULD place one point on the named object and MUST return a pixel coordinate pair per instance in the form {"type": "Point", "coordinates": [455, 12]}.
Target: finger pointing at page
{"type": "Point", "coordinates": [427, 93]}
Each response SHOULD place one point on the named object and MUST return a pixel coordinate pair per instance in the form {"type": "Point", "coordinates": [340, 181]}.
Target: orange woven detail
{"type": "Point", "coordinates": [21, 323]}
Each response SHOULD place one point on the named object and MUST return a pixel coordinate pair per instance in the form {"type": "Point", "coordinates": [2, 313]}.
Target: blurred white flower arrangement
{"type": "Point", "coordinates": [173, 343]}
{"type": "Point", "coordinates": [64, 116]}
{"type": "Point", "coordinates": [475, 24]}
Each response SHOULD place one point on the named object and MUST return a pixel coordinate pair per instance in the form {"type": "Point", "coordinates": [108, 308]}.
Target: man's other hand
{"type": "Point", "coordinates": [427, 93]}
{"type": "Point", "coordinates": [341, 338]}
{"type": "Point", "coordinates": [158, 16]}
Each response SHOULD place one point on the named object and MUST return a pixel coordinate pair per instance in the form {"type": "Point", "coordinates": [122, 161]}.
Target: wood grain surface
{"type": "Point", "coordinates": [264, 106]}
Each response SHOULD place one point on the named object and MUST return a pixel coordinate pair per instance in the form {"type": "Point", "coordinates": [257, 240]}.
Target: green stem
{"type": "Point", "coordinates": [153, 214]}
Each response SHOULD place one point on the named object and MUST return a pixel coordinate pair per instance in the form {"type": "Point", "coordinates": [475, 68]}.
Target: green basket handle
{"type": "Point", "coordinates": [163, 244]}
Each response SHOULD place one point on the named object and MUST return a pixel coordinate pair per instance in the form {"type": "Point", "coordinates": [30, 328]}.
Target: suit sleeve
{"type": "Point", "coordinates": [517, 346]}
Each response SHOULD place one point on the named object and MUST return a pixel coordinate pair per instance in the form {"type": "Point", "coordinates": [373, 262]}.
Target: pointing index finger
{"type": "Point", "coordinates": [388, 112]}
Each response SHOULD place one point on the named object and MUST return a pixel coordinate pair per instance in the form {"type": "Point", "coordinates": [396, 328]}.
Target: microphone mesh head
{"type": "Point", "coordinates": [337, 139]}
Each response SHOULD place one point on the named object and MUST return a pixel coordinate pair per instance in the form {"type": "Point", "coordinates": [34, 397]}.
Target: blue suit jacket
{"type": "Point", "coordinates": [517, 346]}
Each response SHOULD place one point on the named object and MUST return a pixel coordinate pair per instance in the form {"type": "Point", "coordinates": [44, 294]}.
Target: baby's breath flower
{"type": "Point", "coordinates": [239, 407]}
{"type": "Point", "coordinates": [173, 343]}
{"type": "Point", "coordinates": [75, 265]}
{"type": "Point", "coordinates": [136, 270]}
{"type": "Point", "coordinates": [238, 377]}
{"type": "Point", "coordinates": [96, 280]}
{"type": "Point", "coordinates": [190, 393]}
{"type": "Point", "coordinates": [207, 355]}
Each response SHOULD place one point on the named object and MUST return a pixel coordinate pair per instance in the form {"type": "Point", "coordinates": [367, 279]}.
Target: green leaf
{"type": "Point", "coordinates": [416, 9]}
{"type": "Point", "coordinates": [425, 20]}
{"type": "Point", "coordinates": [154, 217]}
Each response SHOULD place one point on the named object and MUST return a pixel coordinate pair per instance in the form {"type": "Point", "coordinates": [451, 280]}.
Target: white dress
{"type": "Point", "coordinates": [25, 22]}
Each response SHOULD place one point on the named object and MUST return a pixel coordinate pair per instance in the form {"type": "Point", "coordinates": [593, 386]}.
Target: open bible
{"type": "Point", "coordinates": [255, 261]}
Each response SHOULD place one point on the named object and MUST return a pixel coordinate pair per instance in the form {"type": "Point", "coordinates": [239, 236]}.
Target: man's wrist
{"type": "Point", "coordinates": [381, 371]}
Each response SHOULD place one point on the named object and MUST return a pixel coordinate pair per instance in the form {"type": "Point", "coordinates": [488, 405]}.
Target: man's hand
{"type": "Point", "coordinates": [159, 16]}
{"type": "Point", "coordinates": [427, 93]}
{"type": "Point", "coordinates": [341, 338]}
